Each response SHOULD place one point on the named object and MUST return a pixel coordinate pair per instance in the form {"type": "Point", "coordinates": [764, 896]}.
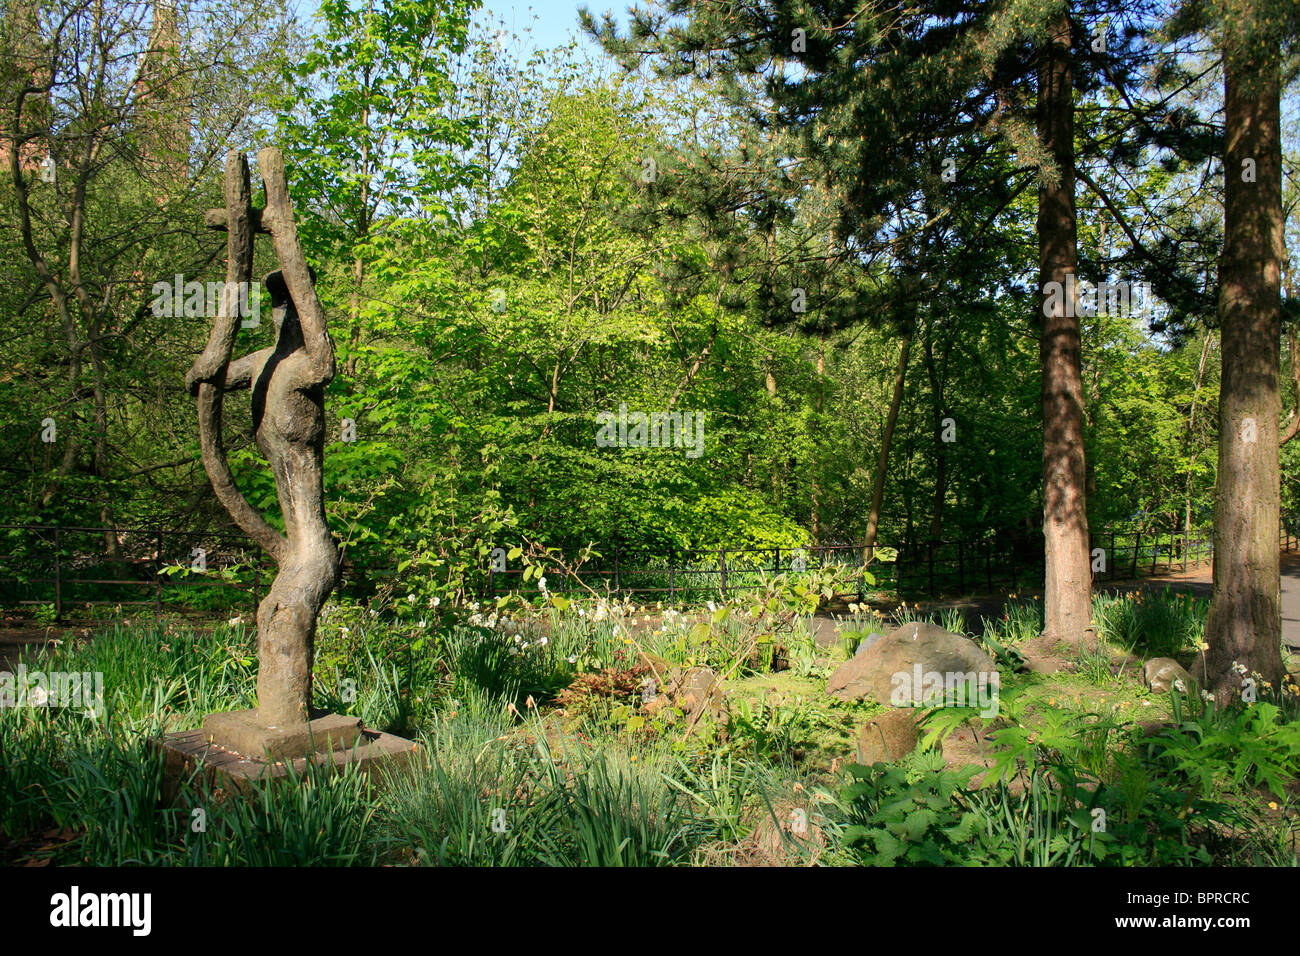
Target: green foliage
{"type": "Point", "coordinates": [892, 819]}
{"type": "Point", "coordinates": [1241, 747]}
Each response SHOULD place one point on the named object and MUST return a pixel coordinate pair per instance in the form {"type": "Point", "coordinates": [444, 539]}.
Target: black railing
{"type": "Point", "coordinates": [59, 567]}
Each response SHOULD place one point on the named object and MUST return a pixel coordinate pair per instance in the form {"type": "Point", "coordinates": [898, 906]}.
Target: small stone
{"type": "Point", "coordinates": [889, 737]}
{"type": "Point", "coordinates": [1160, 674]}
{"type": "Point", "coordinates": [867, 642]}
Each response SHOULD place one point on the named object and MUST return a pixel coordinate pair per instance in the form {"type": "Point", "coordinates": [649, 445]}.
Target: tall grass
{"type": "Point", "coordinates": [506, 802]}
{"type": "Point", "coordinates": [1157, 623]}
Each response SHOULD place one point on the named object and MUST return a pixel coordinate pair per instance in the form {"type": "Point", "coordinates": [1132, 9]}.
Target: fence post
{"type": "Point", "coordinates": [58, 578]}
{"type": "Point", "coordinates": [617, 587]}
{"type": "Point", "coordinates": [1114, 569]}
{"type": "Point", "coordinates": [722, 569]}
{"type": "Point", "coordinates": [1137, 541]}
{"type": "Point", "coordinates": [671, 584]}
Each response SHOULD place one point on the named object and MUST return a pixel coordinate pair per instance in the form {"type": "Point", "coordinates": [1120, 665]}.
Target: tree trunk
{"type": "Point", "coordinates": [940, 446]}
{"type": "Point", "coordinates": [882, 465]}
{"type": "Point", "coordinates": [815, 516]}
{"type": "Point", "coordinates": [1293, 426]}
{"type": "Point", "coordinates": [1191, 438]}
{"type": "Point", "coordinates": [1067, 596]}
{"type": "Point", "coordinates": [1244, 625]}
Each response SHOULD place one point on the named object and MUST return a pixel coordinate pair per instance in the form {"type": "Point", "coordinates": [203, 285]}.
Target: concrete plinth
{"type": "Point", "coordinates": [189, 751]}
{"type": "Point", "coordinates": [245, 733]}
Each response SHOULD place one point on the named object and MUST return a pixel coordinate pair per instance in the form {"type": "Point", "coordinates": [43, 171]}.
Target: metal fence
{"type": "Point", "coordinates": [64, 567]}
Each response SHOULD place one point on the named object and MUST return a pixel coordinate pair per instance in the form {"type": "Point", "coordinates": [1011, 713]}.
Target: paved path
{"type": "Point", "coordinates": [1197, 581]}
{"type": "Point", "coordinates": [1291, 600]}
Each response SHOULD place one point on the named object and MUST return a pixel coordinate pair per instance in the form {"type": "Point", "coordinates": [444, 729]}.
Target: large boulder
{"type": "Point", "coordinates": [902, 668]}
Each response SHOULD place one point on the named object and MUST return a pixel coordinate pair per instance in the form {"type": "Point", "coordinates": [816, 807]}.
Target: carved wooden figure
{"type": "Point", "coordinates": [288, 383]}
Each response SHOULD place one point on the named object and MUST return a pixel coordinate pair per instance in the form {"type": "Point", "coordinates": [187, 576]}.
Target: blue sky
{"type": "Point", "coordinates": [551, 21]}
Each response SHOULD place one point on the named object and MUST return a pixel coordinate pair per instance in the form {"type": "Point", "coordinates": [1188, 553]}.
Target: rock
{"type": "Point", "coordinates": [696, 688]}
{"type": "Point", "coordinates": [887, 738]}
{"type": "Point", "coordinates": [788, 834]}
{"type": "Point", "coordinates": [900, 667]}
{"type": "Point", "coordinates": [1160, 673]}
{"type": "Point", "coordinates": [867, 642]}
{"type": "Point", "coordinates": [690, 690]}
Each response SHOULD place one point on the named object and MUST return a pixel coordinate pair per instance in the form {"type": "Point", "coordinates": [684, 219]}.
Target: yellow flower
{"type": "Point", "coordinates": [1272, 804]}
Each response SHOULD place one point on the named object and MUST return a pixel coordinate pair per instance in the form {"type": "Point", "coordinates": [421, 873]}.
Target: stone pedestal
{"type": "Point", "coordinates": [245, 733]}
{"type": "Point", "coordinates": [233, 750]}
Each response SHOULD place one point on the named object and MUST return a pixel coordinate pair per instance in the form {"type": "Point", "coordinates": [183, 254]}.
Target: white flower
{"type": "Point", "coordinates": [424, 624]}
{"type": "Point", "coordinates": [410, 598]}
{"type": "Point", "coordinates": [541, 583]}
{"type": "Point", "coordinates": [344, 630]}
{"type": "Point", "coordinates": [573, 658]}
{"type": "Point", "coordinates": [37, 696]}
{"type": "Point", "coordinates": [436, 602]}
{"type": "Point", "coordinates": [542, 642]}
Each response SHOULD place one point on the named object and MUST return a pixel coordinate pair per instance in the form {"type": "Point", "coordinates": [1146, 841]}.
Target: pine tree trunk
{"type": "Point", "coordinates": [1244, 625]}
{"type": "Point", "coordinates": [1067, 596]}
{"type": "Point", "coordinates": [882, 464]}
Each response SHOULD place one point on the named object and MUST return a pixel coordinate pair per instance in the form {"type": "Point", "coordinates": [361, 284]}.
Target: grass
{"type": "Point", "coordinates": [501, 781]}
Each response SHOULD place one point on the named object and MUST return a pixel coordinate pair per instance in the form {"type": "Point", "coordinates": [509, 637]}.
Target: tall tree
{"type": "Point", "coordinates": [1244, 625]}
{"type": "Point", "coordinates": [870, 94]}
{"type": "Point", "coordinates": [1067, 596]}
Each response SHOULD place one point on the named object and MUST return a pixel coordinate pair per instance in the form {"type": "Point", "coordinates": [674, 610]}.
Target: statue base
{"type": "Point", "coordinates": [234, 750]}
{"type": "Point", "coordinates": [245, 733]}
